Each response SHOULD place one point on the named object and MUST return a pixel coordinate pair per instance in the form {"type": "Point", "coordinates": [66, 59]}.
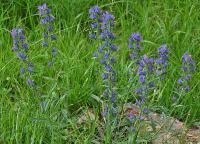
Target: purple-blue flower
{"type": "Point", "coordinates": [133, 55]}
{"type": "Point", "coordinates": [94, 25]}
{"type": "Point", "coordinates": [22, 70]}
{"type": "Point", "coordinates": [136, 36]}
{"type": "Point", "coordinates": [187, 88]}
{"type": "Point", "coordinates": [95, 9]}
{"type": "Point", "coordinates": [49, 28]}
{"type": "Point", "coordinates": [22, 37]}
{"type": "Point", "coordinates": [14, 32]}
{"type": "Point", "coordinates": [22, 56]}
{"type": "Point", "coordinates": [113, 99]}
{"type": "Point", "coordinates": [145, 110]}
{"type": "Point", "coordinates": [43, 9]}
{"type": "Point", "coordinates": [15, 48]}
{"type": "Point", "coordinates": [104, 76]}
{"type": "Point", "coordinates": [53, 37]}
{"type": "Point", "coordinates": [25, 46]}
{"type": "Point", "coordinates": [151, 84]}
{"type": "Point", "coordinates": [106, 56]}
{"type": "Point", "coordinates": [43, 21]}
{"type": "Point", "coordinates": [103, 61]}
{"type": "Point", "coordinates": [94, 12]}
{"type": "Point", "coordinates": [44, 43]}
{"type": "Point", "coordinates": [30, 69]}
{"type": "Point", "coordinates": [113, 47]}
{"type": "Point", "coordinates": [138, 91]}
{"type": "Point", "coordinates": [30, 82]}
{"type": "Point", "coordinates": [49, 18]}
{"type": "Point", "coordinates": [108, 68]}
{"type": "Point", "coordinates": [180, 81]}
{"type": "Point", "coordinates": [113, 60]}
{"type": "Point", "coordinates": [142, 79]}
{"type": "Point", "coordinates": [107, 17]}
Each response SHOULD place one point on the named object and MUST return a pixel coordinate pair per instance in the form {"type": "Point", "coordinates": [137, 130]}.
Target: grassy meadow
{"type": "Point", "coordinates": [49, 112]}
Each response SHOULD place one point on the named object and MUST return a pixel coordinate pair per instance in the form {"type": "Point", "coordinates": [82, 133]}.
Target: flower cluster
{"type": "Point", "coordinates": [162, 61]}
{"type": "Point", "coordinates": [134, 43]}
{"type": "Point", "coordinates": [102, 26]}
{"type": "Point", "coordinates": [188, 66]}
{"type": "Point", "coordinates": [20, 47]}
{"type": "Point", "coordinates": [95, 14]}
{"type": "Point", "coordinates": [134, 53]}
{"type": "Point", "coordinates": [145, 71]}
{"type": "Point", "coordinates": [46, 20]}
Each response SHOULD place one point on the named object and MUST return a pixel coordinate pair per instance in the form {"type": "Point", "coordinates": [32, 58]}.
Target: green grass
{"type": "Point", "coordinates": [72, 81]}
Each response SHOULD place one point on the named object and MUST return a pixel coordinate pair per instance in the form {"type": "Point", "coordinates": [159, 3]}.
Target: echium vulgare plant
{"type": "Point", "coordinates": [46, 20]}
{"type": "Point", "coordinates": [161, 66]}
{"type": "Point", "coordinates": [162, 61]}
{"type": "Point", "coordinates": [20, 47]}
{"type": "Point", "coordinates": [134, 45]}
{"type": "Point", "coordinates": [135, 54]}
{"type": "Point", "coordinates": [145, 72]}
{"type": "Point", "coordinates": [102, 26]}
{"type": "Point", "coordinates": [188, 67]}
